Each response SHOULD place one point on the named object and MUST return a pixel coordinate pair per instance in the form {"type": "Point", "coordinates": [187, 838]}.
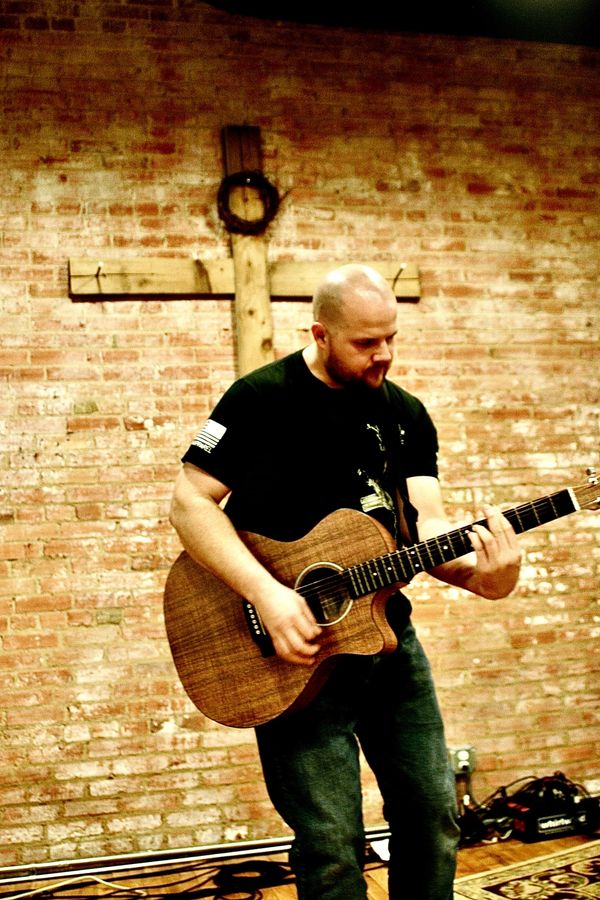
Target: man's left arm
{"type": "Point", "coordinates": [492, 569]}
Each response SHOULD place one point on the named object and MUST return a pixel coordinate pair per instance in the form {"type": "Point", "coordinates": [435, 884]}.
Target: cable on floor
{"type": "Point", "coordinates": [249, 877]}
{"type": "Point", "coordinates": [138, 892]}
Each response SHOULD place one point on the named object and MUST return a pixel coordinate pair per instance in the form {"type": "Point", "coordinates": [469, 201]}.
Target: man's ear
{"type": "Point", "coordinates": [319, 333]}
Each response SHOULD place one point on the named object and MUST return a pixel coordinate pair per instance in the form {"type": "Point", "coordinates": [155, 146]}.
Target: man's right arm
{"type": "Point", "coordinates": [211, 540]}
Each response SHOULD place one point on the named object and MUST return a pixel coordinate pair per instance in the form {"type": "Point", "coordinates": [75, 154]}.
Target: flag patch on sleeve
{"type": "Point", "coordinates": [209, 437]}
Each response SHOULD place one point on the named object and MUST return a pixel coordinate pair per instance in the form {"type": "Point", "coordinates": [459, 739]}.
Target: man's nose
{"type": "Point", "coordinates": [383, 353]}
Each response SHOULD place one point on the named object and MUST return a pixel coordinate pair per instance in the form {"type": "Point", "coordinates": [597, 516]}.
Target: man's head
{"type": "Point", "coordinates": [354, 326]}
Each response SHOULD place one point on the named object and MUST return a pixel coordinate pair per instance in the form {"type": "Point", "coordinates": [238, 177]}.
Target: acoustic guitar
{"type": "Point", "coordinates": [346, 568]}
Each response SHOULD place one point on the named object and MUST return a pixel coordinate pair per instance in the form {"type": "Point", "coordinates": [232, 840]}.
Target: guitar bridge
{"type": "Point", "coordinates": [258, 632]}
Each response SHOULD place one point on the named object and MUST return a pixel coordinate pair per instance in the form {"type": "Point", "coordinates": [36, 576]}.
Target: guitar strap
{"type": "Point", "coordinates": [406, 512]}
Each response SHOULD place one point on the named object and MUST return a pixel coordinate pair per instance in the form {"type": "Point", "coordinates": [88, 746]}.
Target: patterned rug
{"type": "Point", "coordinates": [566, 875]}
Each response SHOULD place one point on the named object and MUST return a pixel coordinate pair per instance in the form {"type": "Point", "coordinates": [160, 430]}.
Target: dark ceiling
{"type": "Point", "coordinates": [555, 21]}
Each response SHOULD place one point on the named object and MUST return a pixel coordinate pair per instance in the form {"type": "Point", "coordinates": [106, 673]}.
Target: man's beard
{"type": "Point", "coordinates": [371, 377]}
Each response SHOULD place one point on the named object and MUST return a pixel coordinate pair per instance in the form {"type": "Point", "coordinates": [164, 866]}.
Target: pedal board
{"type": "Point", "coordinates": [530, 824]}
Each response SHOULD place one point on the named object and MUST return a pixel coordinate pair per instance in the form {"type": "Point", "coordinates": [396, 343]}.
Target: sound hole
{"type": "Point", "coordinates": [323, 588]}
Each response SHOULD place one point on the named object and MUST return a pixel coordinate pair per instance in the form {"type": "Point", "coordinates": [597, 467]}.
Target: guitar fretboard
{"type": "Point", "coordinates": [402, 565]}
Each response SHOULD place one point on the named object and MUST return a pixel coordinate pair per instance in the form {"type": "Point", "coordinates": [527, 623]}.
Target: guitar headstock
{"type": "Point", "coordinates": [588, 494]}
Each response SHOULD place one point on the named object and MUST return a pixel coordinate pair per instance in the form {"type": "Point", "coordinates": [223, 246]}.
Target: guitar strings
{"type": "Point", "coordinates": [315, 589]}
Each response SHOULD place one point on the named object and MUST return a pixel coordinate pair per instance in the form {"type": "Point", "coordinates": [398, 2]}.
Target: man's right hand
{"type": "Point", "coordinates": [210, 539]}
{"type": "Point", "coordinates": [290, 623]}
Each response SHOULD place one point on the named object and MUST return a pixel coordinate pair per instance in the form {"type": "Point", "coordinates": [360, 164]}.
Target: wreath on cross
{"type": "Point", "coordinates": [268, 194]}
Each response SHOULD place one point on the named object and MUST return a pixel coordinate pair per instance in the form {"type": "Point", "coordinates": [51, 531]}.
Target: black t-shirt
{"type": "Point", "coordinates": [292, 450]}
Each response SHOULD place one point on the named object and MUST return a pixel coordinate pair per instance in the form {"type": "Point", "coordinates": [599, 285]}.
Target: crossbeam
{"type": "Point", "coordinates": [171, 278]}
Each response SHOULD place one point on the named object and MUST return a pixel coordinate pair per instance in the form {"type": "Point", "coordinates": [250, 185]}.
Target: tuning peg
{"type": "Point", "coordinates": [592, 476]}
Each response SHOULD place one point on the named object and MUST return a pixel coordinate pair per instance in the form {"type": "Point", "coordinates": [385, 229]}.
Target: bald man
{"type": "Point", "coordinates": [320, 430]}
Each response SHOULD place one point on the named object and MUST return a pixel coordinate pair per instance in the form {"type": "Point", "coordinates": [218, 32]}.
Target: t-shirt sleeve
{"type": "Point", "coordinates": [225, 440]}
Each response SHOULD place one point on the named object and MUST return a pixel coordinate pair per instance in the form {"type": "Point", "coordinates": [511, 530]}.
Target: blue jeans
{"type": "Point", "coordinates": [311, 767]}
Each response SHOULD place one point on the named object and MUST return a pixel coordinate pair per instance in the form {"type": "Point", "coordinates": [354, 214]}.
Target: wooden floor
{"type": "Point", "coordinates": [197, 878]}
{"type": "Point", "coordinates": [471, 860]}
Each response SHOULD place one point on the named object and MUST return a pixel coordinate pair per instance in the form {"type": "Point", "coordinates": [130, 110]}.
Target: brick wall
{"type": "Point", "coordinates": [476, 160]}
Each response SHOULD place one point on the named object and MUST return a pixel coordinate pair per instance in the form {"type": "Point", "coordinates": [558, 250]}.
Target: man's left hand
{"type": "Point", "coordinates": [498, 556]}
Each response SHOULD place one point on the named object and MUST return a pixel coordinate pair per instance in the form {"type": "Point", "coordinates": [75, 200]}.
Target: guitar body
{"type": "Point", "coordinates": [222, 667]}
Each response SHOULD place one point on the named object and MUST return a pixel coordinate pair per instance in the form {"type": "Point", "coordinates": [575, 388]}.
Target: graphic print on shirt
{"type": "Point", "coordinates": [209, 437]}
{"type": "Point", "coordinates": [374, 499]}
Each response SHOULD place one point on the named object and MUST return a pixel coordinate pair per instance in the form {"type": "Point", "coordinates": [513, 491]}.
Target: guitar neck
{"type": "Point", "coordinates": [400, 566]}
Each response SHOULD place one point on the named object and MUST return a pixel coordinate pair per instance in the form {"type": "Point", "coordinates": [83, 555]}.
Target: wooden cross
{"type": "Point", "coordinates": [253, 320]}
{"type": "Point", "coordinates": [247, 277]}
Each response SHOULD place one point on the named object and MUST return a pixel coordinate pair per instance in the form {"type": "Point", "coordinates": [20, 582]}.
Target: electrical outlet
{"type": "Point", "coordinates": [462, 760]}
